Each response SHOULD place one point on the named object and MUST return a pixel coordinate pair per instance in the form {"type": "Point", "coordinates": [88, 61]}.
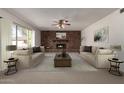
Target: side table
{"type": "Point", "coordinates": [114, 66]}
{"type": "Point", "coordinates": [12, 66]}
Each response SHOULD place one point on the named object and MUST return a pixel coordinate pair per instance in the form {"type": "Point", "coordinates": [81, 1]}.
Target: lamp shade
{"type": "Point", "coordinates": [11, 47]}
{"type": "Point", "coordinates": [116, 47]}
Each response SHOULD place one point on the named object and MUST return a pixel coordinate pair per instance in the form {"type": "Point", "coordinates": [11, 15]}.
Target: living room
{"type": "Point", "coordinates": [55, 45]}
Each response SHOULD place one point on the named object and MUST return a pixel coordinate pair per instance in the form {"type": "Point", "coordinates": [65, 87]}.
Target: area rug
{"type": "Point", "coordinates": [47, 65]}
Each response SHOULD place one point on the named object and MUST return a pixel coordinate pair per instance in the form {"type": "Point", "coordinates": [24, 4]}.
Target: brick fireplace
{"type": "Point", "coordinates": [52, 44]}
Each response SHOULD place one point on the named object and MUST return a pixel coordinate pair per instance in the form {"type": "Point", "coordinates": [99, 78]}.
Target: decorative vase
{"type": "Point", "coordinates": [63, 54]}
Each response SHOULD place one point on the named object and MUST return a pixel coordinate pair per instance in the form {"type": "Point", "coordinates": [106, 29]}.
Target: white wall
{"type": "Point", "coordinates": [38, 38]}
{"type": "Point", "coordinates": [115, 22]}
{"type": "Point", "coordinates": [5, 35]}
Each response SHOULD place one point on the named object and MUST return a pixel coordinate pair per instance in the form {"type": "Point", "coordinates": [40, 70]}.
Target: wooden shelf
{"type": "Point", "coordinates": [60, 40]}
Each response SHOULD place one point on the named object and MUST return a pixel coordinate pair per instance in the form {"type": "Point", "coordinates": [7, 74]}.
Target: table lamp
{"type": "Point", "coordinates": [116, 49]}
{"type": "Point", "coordinates": [11, 48]}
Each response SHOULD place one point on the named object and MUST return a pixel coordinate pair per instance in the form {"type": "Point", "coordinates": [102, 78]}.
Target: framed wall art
{"type": "Point", "coordinates": [101, 35]}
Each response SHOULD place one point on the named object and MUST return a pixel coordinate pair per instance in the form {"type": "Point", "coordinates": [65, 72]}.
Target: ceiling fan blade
{"type": "Point", "coordinates": [67, 24]}
{"type": "Point", "coordinates": [66, 20]}
{"type": "Point", "coordinates": [61, 23]}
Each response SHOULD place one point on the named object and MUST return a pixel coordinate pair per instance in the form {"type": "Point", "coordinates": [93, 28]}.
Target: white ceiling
{"type": "Point", "coordinates": [42, 18]}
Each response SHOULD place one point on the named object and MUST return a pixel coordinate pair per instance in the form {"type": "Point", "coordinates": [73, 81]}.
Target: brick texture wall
{"type": "Point", "coordinates": [72, 41]}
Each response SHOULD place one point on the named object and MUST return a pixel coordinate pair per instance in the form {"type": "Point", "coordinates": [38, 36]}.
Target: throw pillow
{"type": "Point", "coordinates": [42, 48]}
{"type": "Point", "coordinates": [36, 49]}
{"type": "Point", "coordinates": [101, 48]}
{"type": "Point", "coordinates": [81, 48]}
{"type": "Point", "coordinates": [87, 49]}
{"type": "Point", "coordinates": [94, 49]}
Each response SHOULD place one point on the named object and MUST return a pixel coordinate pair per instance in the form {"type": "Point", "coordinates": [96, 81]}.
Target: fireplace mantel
{"type": "Point", "coordinates": [60, 40]}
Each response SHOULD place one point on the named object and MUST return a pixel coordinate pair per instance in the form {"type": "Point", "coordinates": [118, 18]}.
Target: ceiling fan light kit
{"type": "Point", "coordinates": [61, 23]}
{"type": "Point", "coordinates": [60, 26]}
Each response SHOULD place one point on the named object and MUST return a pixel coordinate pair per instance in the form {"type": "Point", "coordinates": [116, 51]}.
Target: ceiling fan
{"type": "Point", "coordinates": [61, 23]}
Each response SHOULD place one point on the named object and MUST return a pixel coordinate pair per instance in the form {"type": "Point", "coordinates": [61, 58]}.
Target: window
{"type": "Point", "coordinates": [31, 38]}
{"type": "Point", "coordinates": [14, 36]}
{"type": "Point", "coordinates": [22, 37]}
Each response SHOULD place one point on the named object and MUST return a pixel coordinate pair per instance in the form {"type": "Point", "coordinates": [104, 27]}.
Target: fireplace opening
{"type": "Point", "coordinates": [60, 46]}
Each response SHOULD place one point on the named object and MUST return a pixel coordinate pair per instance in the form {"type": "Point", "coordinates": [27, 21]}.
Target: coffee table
{"type": "Point", "coordinates": [60, 61]}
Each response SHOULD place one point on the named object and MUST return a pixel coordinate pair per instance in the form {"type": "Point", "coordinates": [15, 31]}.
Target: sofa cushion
{"type": "Point", "coordinates": [88, 56]}
{"type": "Point", "coordinates": [105, 51]}
{"type": "Point", "coordinates": [81, 48]}
{"type": "Point", "coordinates": [36, 55]}
{"type": "Point", "coordinates": [23, 52]}
{"type": "Point", "coordinates": [87, 49]}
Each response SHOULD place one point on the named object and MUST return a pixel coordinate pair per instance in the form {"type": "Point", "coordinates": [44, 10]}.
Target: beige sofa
{"type": "Point", "coordinates": [28, 59]}
{"type": "Point", "coordinates": [98, 57]}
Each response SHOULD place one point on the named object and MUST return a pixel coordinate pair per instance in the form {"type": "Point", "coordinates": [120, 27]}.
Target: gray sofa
{"type": "Point", "coordinates": [28, 59]}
